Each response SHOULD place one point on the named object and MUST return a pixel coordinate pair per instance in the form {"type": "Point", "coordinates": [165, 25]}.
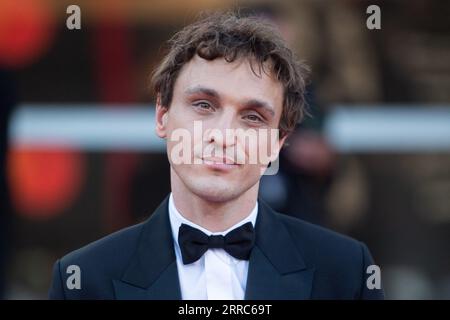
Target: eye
{"type": "Point", "coordinates": [203, 105]}
{"type": "Point", "coordinates": [254, 118]}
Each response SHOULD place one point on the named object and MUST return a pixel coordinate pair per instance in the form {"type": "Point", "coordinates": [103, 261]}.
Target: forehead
{"type": "Point", "coordinates": [232, 80]}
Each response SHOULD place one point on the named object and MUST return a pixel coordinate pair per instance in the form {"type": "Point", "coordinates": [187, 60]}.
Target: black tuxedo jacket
{"type": "Point", "coordinates": [291, 259]}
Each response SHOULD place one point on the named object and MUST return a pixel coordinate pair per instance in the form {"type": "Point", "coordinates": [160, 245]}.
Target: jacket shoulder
{"type": "Point", "coordinates": [340, 262]}
{"type": "Point", "coordinates": [114, 246]}
{"type": "Point", "coordinates": [98, 263]}
{"type": "Point", "coordinates": [319, 237]}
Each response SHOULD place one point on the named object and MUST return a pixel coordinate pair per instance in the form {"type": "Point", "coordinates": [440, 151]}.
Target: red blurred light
{"type": "Point", "coordinates": [26, 31]}
{"type": "Point", "coordinates": [44, 182]}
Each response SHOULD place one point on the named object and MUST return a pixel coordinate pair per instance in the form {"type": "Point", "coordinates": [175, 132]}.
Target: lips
{"type": "Point", "coordinates": [216, 160]}
{"type": "Point", "coordinates": [221, 164]}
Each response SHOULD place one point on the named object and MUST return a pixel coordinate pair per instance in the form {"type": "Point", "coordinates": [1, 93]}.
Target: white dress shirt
{"type": "Point", "coordinates": [216, 275]}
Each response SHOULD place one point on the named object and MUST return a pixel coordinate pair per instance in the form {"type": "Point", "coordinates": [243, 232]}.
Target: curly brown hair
{"type": "Point", "coordinates": [231, 36]}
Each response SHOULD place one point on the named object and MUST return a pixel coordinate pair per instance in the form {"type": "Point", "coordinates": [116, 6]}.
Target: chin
{"type": "Point", "coordinates": [215, 189]}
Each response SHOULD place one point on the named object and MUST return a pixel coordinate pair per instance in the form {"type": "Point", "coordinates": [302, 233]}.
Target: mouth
{"type": "Point", "coordinates": [223, 164]}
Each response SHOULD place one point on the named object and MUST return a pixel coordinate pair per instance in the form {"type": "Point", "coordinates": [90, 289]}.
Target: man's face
{"type": "Point", "coordinates": [211, 100]}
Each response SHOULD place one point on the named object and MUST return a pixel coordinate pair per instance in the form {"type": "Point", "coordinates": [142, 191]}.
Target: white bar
{"type": "Point", "coordinates": [349, 129]}
{"type": "Point", "coordinates": [389, 128]}
{"type": "Point", "coordinates": [89, 127]}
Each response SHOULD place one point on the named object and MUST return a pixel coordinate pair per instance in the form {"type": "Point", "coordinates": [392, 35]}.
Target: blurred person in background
{"type": "Point", "coordinates": [331, 36]}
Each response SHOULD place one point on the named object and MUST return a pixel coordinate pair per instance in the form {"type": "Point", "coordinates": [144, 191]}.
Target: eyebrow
{"type": "Point", "coordinates": [252, 103]}
{"type": "Point", "coordinates": [203, 90]}
{"type": "Point", "coordinates": [261, 105]}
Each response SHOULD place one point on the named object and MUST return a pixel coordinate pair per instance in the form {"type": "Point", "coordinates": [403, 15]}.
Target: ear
{"type": "Point", "coordinates": [282, 141]}
{"type": "Point", "coordinates": [279, 145]}
{"type": "Point", "coordinates": [161, 118]}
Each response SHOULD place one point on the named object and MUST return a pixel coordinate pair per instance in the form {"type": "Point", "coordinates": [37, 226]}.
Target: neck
{"type": "Point", "coordinates": [215, 216]}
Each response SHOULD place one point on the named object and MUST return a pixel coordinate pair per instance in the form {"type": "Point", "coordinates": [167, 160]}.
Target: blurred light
{"type": "Point", "coordinates": [44, 182]}
{"type": "Point", "coordinates": [26, 31]}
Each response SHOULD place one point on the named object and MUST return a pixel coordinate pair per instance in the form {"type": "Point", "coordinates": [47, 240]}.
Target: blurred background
{"type": "Point", "coordinates": [80, 160]}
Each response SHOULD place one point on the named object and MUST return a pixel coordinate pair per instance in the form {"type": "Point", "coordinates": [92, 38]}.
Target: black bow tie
{"type": "Point", "coordinates": [194, 243]}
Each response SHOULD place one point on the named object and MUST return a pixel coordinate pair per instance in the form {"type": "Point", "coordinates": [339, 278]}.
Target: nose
{"type": "Point", "coordinates": [216, 132]}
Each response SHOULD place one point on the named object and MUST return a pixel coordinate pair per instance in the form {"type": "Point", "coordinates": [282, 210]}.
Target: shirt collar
{"type": "Point", "coordinates": [176, 219]}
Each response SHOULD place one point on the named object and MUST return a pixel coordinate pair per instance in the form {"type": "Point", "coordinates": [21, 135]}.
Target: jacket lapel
{"type": "Point", "coordinates": [152, 272]}
{"type": "Point", "coordinates": [276, 267]}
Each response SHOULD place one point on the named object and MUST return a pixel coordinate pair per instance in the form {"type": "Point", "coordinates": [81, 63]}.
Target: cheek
{"type": "Point", "coordinates": [179, 146]}
{"type": "Point", "coordinates": [262, 148]}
